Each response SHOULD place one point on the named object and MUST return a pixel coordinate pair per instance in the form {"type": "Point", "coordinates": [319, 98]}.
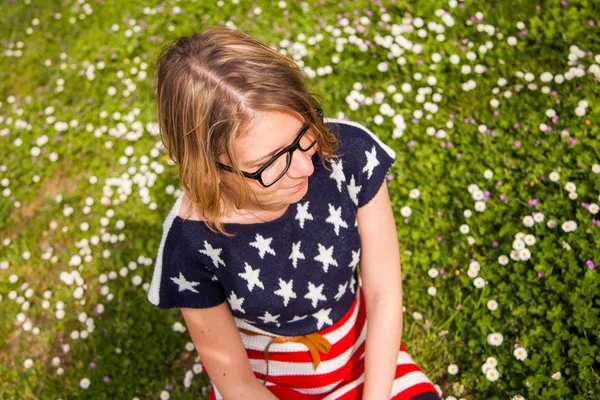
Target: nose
{"type": "Point", "coordinates": [301, 165]}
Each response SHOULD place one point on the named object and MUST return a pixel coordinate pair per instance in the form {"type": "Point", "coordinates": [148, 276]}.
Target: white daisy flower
{"type": "Point", "coordinates": [479, 282]}
{"type": "Point", "coordinates": [417, 316]}
{"type": "Point", "coordinates": [453, 369]}
{"type": "Point", "coordinates": [464, 229]}
{"type": "Point", "coordinates": [593, 208]}
{"type": "Point", "coordinates": [495, 339]}
{"type": "Point", "coordinates": [492, 375]}
{"type": "Point", "coordinates": [432, 291]}
{"type": "Point", "coordinates": [492, 305]}
{"type": "Point", "coordinates": [189, 346]}
{"type": "Point", "coordinates": [570, 187]}
{"type": "Point", "coordinates": [433, 272]}
{"type": "Point", "coordinates": [520, 353]}
{"type": "Point", "coordinates": [84, 383]}
{"type": "Point", "coordinates": [538, 217]}
{"type": "Point", "coordinates": [529, 240]}
{"type": "Point", "coordinates": [503, 260]}
{"type": "Point", "coordinates": [596, 168]}
{"type": "Point", "coordinates": [528, 221]}
{"type": "Point", "coordinates": [518, 244]}
{"type": "Point", "coordinates": [164, 395]}
{"type": "Point", "coordinates": [556, 375]}
{"type": "Point", "coordinates": [197, 368]}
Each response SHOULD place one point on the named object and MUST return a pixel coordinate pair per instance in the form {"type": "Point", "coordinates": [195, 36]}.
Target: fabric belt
{"type": "Point", "coordinates": [315, 342]}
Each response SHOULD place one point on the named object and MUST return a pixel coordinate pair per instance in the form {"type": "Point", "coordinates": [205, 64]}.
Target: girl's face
{"type": "Point", "coordinates": [271, 132]}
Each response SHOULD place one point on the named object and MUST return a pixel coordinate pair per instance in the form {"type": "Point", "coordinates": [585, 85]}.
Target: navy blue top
{"type": "Point", "coordinates": [290, 276]}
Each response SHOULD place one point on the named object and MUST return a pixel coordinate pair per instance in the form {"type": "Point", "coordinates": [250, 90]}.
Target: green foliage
{"type": "Point", "coordinates": [547, 301]}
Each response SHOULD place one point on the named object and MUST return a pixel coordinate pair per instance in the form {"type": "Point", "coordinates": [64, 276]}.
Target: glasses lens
{"type": "Point", "coordinates": [276, 169]}
{"type": "Point", "coordinates": [307, 140]}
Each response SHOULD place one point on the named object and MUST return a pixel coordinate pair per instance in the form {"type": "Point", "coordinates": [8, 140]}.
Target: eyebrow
{"type": "Point", "coordinates": [259, 160]}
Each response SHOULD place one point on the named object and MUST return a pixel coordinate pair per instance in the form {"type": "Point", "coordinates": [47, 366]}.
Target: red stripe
{"type": "Point", "coordinates": [336, 349]}
{"type": "Point", "coordinates": [283, 386]}
{"type": "Point", "coordinates": [301, 381]}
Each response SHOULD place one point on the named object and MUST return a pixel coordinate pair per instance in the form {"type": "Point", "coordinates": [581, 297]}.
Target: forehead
{"type": "Point", "coordinates": [268, 131]}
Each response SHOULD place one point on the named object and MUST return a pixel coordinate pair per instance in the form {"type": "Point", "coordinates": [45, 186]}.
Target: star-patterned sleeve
{"type": "Point", "coordinates": [366, 161]}
{"type": "Point", "coordinates": [180, 278]}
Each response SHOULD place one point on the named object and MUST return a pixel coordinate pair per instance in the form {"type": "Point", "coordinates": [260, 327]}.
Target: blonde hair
{"type": "Point", "coordinates": [208, 86]}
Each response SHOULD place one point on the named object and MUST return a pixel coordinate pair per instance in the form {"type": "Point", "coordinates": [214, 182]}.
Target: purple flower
{"type": "Point", "coordinates": [516, 126]}
{"type": "Point", "coordinates": [459, 307]}
{"type": "Point", "coordinates": [439, 239]}
{"type": "Point", "coordinates": [533, 202]}
{"type": "Point", "coordinates": [390, 177]}
{"type": "Point", "coordinates": [106, 379]}
{"type": "Point", "coordinates": [411, 143]}
{"type": "Point", "coordinates": [452, 116]}
{"type": "Point", "coordinates": [502, 197]}
{"type": "Point", "coordinates": [500, 183]}
{"type": "Point", "coordinates": [495, 245]}
{"type": "Point", "coordinates": [517, 143]}
{"type": "Point", "coordinates": [540, 274]}
{"type": "Point", "coordinates": [517, 345]}
{"type": "Point", "coordinates": [93, 364]}
{"type": "Point", "coordinates": [442, 271]}
{"type": "Point", "coordinates": [496, 113]}
{"type": "Point", "coordinates": [439, 213]}
{"type": "Point", "coordinates": [590, 264]}
{"type": "Point", "coordinates": [591, 23]}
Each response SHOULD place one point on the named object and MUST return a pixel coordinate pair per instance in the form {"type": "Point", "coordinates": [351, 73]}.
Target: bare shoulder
{"type": "Point", "coordinates": [187, 212]}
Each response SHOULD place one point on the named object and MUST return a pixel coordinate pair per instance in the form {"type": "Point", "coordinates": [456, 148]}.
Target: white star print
{"type": "Point", "coordinates": [335, 218]}
{"type": "Point", "coordinates": [372, 161]}
{"type": "Point", "coordinates": [270, 318]}
{"type": "Point", "coordinates": [296, 254]}
{"type": "Point", "coordinates": [302, 213]}
{"type": "Point", "coordinates": [322, 317]}
{"type": "Point", "coordinates": [338, 173]}
{"type": "Point", "coordinates": [325, 257]}
{"type": "Point", "coordinates": [341, 291]}
{"type": "Point", "coordinates": [213, 253]}
{"type": "Point", "coordinates": [236, 303]}
{"type": "Point", "coordinates": [353, 190]}
{"type": "Point", "coordinates": [297, 318]}
{"type": "Point", "coordinates": [315, 293]}
{"type": "Point", "coordinates": [251, 276]}
{"type": "Point", "coordinates": [352, 283]}
{"type": "Point", "coordinates": [355, 259]}
{"type": "Point", "coordinates": [263, 245]}
{"type": "Point", "coordinates": [185, 284]}
{"type": "Point", "coordinates": [286, 291]}
{"type": "Point", "coordinates": [214, 278]}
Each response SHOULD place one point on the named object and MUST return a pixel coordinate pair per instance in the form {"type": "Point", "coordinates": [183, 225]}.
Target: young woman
{"type": "Point", "coordinates": [282, 244]}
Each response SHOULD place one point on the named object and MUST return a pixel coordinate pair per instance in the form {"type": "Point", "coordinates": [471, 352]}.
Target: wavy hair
{"type": "Point", "coordinates": [208, 86]}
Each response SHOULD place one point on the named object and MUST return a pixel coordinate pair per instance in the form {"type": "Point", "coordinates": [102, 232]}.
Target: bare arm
{"type": "Point", "coordinates": [382, 286]}
{"type": "Point", "coordinates": [222, 352]}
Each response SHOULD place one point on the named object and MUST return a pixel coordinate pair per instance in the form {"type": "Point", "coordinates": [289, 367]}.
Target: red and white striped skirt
{"type": "Point", "coordinates": [340, 371]}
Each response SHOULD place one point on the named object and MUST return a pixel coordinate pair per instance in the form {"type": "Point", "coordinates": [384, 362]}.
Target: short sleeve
{"type": "Point", "coordinates": [367, 161]}
{"type": "Point", "coordinates": [180, 279]}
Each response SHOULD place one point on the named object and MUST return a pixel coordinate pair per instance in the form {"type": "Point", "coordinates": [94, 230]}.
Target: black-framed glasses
{"type": "Point", "coordinates": [277, 166]}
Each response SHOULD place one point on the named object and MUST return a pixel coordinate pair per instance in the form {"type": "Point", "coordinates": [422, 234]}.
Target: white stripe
{"type": "Point", "coordinates": [391, 152]}
{"type": "Point", "coordinates": [408, 380]}
{"type": "Point", "coordinates": [154, 291]}
{"type": "Point", "coordinates": [319, 390]}
{"type": "Point", "coordinates": [279, 368]}
{"type": "Point", "coordinates": [252, 342]}
{"type": "Point", "coordinates": [348, 387]}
